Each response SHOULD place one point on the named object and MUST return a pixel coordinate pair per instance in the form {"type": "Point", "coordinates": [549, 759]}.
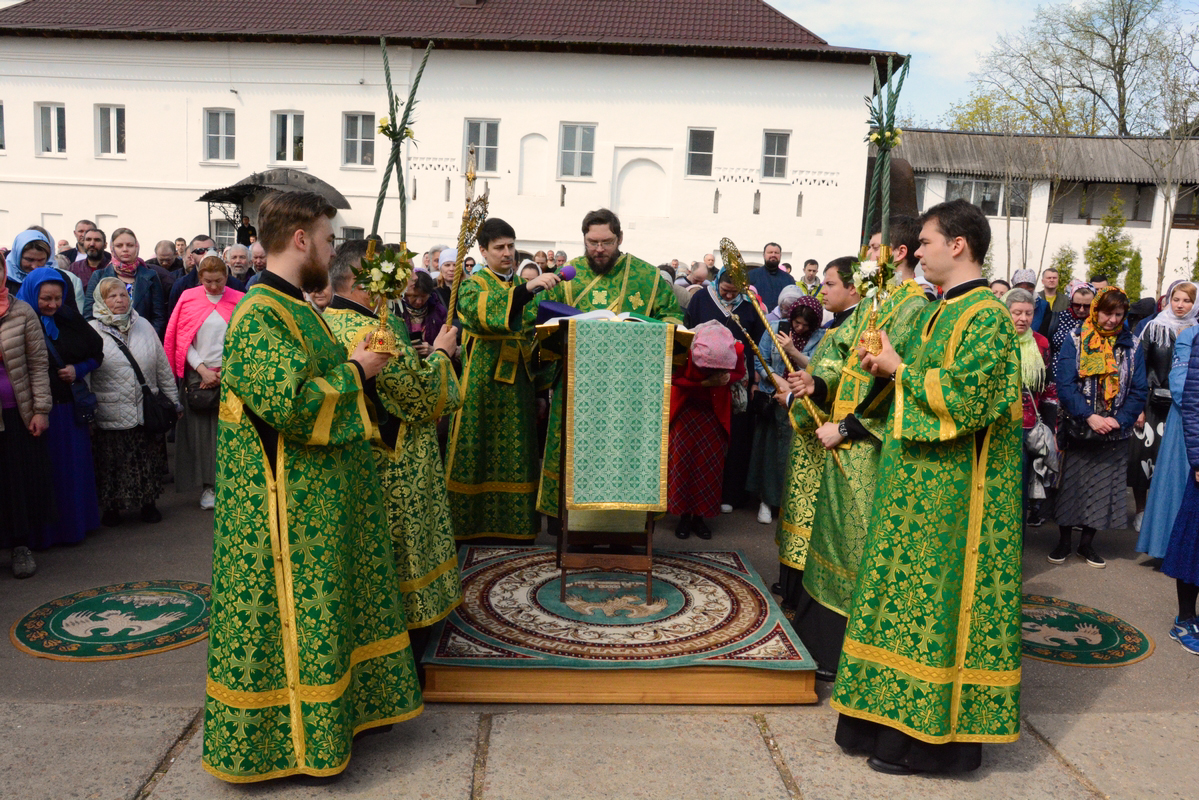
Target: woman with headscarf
{"type": "Point", "coordinates": [130, 462]}
{"type": "Point", "coordinates": [424, 315]}
{"type": "Point", "coordinates": [31, 250]}
{"type": "Point", "coordinates": [700, 417]}
{"type": "Point", "coordinates": [772, 429]}
{"type": "Point", "coordinates": [721, 302]}
{"type": "Point", "coordinates": [1036, 389]}
{"type": "Point", "coordinates": [1102, 388]}
{"type": "Point", "coordinates": [26, 485]}
{"type": "Point", "coordinates": [73, 350]}
{"type": "Point", "coordinates": [1066, 322]}
{"type": "Point", "coordinates": [1157, 343]}
{"type": "Point", "coordinates": [1181, 558]}
{"type": "Point", "coordinates": [787, 299]}
{"type": "Point", "coordinates": [194, 345]}
{"type": "Point", "coordinates": [140, 282]}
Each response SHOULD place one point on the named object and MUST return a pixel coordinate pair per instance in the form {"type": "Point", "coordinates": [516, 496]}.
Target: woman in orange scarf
{"type": "Point", "coordinates": [1102, 389]}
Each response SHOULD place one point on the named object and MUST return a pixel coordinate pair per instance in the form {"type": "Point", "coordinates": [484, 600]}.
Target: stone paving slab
{"type": "Point", "coordinates": [1024, 770]}
{"type": "Point", "coordinates": [431, 756]}
{"type": "Point", "coordinates": [1129, 754]}
{"type": "Point", "coordinates": [58, 752]}
{"type": "Point", "coordinates": [619, 756]}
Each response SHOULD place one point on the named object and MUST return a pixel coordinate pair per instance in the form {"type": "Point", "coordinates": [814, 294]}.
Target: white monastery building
{"type": "Point", "coordinates": [692, 119]}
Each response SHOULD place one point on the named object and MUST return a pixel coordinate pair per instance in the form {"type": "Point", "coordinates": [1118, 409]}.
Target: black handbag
{"type": "Point", "coordinates": [762, 405]}
{"type": "Point", "coordinates": [1079, 433]}
{"type": "Point", "coordinates": [158, 411]}
{"type": "Point", "coordinates": [83, 398]}
{"type": "Point", "coordinates": [200, 398]}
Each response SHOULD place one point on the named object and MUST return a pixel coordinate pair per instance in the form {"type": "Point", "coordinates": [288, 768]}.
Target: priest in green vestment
{"type": "Point", "coordinates": [605, 278]}
{"type": "Point", "coordinates": [854, 431]}
{"type": "Point", "coordinates": [307, 642]}
{"type": "Point", "coordinates": [408, 398]}
{"type": "Point", "coordinates": [492, 458]}
{"type": "Point", "coordinates": [806, 458]}
{"type": "Point", "coordinates": [931, 661]}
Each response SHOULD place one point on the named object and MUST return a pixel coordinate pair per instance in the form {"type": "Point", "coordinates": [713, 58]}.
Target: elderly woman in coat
{"type": "Point", "coordinates": [130, 462]}
{"type": "Point", "coordinates": [26, 494]}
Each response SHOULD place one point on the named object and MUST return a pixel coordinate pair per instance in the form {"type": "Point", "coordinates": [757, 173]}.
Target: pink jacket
{"type": "Point", "coordinates": [190, 313]}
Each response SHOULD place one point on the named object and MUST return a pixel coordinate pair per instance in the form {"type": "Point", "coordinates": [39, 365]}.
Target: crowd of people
{"type": "Point", "coordinates": [986, 406]}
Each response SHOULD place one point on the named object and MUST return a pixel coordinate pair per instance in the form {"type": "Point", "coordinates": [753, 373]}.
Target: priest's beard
{"type": "Point", "coordinates": [314, 276]}
{"type": "Point", "coordinates": [606, 266]}
{"type": "Point", "coordinates": [772, 264]}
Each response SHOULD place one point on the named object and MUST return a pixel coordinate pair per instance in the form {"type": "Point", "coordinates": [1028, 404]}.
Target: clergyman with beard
{"type": "Point", "coordinates": [304, 582]}
{"type": "Point", "coordinates": [604, 278]}
{"type": "Point", "coordinates": [770, 280]}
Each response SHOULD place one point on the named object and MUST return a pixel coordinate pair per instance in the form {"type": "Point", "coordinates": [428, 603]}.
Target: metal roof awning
{"type": "Point", "coordinates": [275, 180]}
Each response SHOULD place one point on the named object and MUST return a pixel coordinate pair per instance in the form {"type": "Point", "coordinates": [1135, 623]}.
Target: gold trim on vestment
{"type": "Point", "coordinates": [984, 738]}
{"type": "Point", "coordinates": [281, 550]}
{"type": "Point", "coordinates": [568, 407]}
{"type": "Point", "coordinates": [324, 418]}
{"type": "Point", "coordinates": [490, 486]}
{"type": "Point", "coordinates": [897, 428]}
{"type": "Point", "coordinates": [834, 568]}
{"type": "Point", "coordinates": [436, 618]}
{"type": "Point", "coordinates": [495, 535]}
{"type": "Point", "coordinates": [313, 771]}
{"type": "Point", "coordinates": [928, 674]}
{"type": "Point", "coordinates": [230, 409]}
{"type": "Point", "coordinates": [936, 402]}
{"type": "Point", "coordinates": [430, 576]}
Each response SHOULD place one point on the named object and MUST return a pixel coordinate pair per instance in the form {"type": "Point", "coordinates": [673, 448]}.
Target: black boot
{"type": "Point", "coordinates": [1087, 551]}
{"type": "Point", "coordinates": [683, 529]}
{"type": "Point", "coordinates": [1062, 551]}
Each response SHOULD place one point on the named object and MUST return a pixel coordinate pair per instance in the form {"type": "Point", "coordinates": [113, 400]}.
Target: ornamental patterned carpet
{"type": "Point", "coordinates": [1062, 632]}
{"type": "Point", "coordinates": [708, 609]}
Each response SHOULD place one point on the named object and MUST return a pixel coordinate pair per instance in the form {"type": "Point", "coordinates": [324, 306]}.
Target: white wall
{"type": "Point", "coordinates": [642, 107]}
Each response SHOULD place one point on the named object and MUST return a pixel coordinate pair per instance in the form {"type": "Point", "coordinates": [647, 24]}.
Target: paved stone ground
{"type": "Point", "coordinates": [131, 729]}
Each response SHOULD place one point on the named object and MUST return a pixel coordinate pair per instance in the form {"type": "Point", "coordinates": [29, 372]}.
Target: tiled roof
{"type": "Point", "coordinates": [589, 24]}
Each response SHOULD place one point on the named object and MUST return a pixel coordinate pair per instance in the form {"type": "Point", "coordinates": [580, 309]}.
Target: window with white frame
{"type": "Point", "coordinates": [774, 154]}
{"type": "Point", "coordinates": [225, 234]}
{"type": "Point", "coordinates": [51, 128]}
{"type": "Point", "coordinates": [110, 130]}
{"type": "Point", "coordinates": [220, 131]}
{"type": "Point", "coordinates": [484, 136]}
{"type": "Point", "coordinates": [353, 234]}
{"type": "Point", "coordinates": [578, 151]}
{"type": "Point", "coordinates": [990, 195]}
{"type": "Point", "coordinates": [701, 143]}
{"type": "Point", "coordinates": [289, 137]}
{"type": "Point", "coordinates": [359, 140]}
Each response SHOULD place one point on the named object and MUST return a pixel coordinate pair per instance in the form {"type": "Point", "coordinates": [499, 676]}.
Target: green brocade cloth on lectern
{"type": "Point", "coordinates": [617, 415]}
{"type": "Point", "coordinates": [632, 285]}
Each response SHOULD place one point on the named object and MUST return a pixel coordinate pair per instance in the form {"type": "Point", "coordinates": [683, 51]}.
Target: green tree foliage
{"type": "Point", "coordinates": [1110, 250]}
{"type": "Point", "coordinates": [1195, 266]}
{"type": "Point", "coordinates": [1132, 279]}
{"type": "Point", "coordinates": [1063, 261]}
{"type": "Point", "coordinates": [988, 265]}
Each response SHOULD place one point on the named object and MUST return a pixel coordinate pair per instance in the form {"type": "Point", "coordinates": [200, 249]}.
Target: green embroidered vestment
{"type": "Point", "coordinates": [844, 498]}
{"type": "Point", "coordinates": [631, 285]}
{"type": "Point", "coordinates": [492, 459]}
{"type": "Point", "coordinates": [307, 643]}
{"type": "Point", "coordinates": [932, 646]}
{"type": "Point", "coordinates": [415, 394]}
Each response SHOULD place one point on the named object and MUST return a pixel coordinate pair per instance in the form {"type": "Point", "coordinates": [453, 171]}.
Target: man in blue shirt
{"type": "Point", "coordinates": [769, 280]}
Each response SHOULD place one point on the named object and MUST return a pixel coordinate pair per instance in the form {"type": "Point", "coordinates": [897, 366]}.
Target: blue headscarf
{"type": "Point", "coordinates": [714, 290]}
{"type": "Point", "coordinates": [32, 286]}
{"type": "Point", "coordinates": [13, 262]}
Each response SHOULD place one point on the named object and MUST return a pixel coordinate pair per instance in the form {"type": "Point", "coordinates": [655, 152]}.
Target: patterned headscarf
{"type": "Point", "coordinates": [1096, 358]}
{"type": "Point", "coordinates": [814, 304]}
{"type": "Point", "coordinates": [100, 309]}
{"type": "Point", "coordinates": [1164, 328]}
{"type": "Point", "coordinates": [714, 290]}
{"type": "Point", "coordinates": [19, 246]}
{"type": "Point", "coordinates": [1032, 363]}
{"type": "Point", "coordinates": [32, 287]}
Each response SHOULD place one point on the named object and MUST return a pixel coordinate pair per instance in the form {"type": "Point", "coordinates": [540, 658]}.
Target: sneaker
{"type": "Point", "coordinates": [1186, 633]}
{"type": "Point", "coordinates": [150, 513]}
{"type": "Point", "coordinates": [725, 508]}
{"type": "Point", "coordinates": [23, 565]}
{"type": "Point", "coordinates": [1059, 554]}
{"type": "Point", "coordinates": [764, 515]}
{"type": "Point", "coordinates": [1136, 521]}
{"type": "Point", "coordinates": [700, 528]}
{"type": "Point", "coordinates": [208, 500]}
{"type": "Point", "coordinates": [1091, 557]}
{"type": "Point", "coordinates": [1035, 520]}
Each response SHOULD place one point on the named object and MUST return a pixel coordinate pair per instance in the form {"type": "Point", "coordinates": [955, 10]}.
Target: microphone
{"type": "Point", "coordinates": [567, 273]}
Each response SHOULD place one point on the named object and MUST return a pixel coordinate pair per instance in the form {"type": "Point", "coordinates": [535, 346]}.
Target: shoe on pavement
{"type": "Point", "coordinates": [150, 513]}
{"type": "Point", "coordinates": [700, 528]}
{"type": "Point", "coordinates": [208, 500]}
{"type": "Point", "coordinates": [23, 565]}
{"type": "Point", "coordinates": [725, 508]}
{"type": "Point", "coordinates": [683, 529]}
{"type": "Point", "coordinates": [1035, 520]}
{"type": "Point", "coordinates": [764, 515]}
{"type": "Point", "coordinates": [889, 768]}
{"type": "Point", "coordinates": [1091, 557]}
{"type": "Point", "coordinates": [1059, 554]}
{"type": "Point", "coordinates": [1186, 633]}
